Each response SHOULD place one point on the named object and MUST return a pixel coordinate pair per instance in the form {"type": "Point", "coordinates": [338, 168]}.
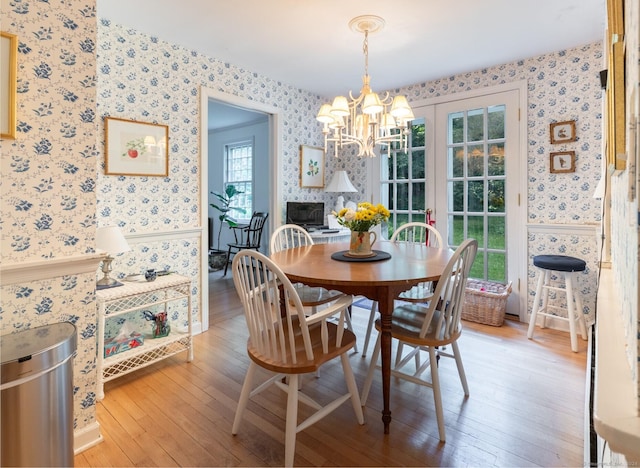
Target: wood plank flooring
{"type": "Point", "coordinates": [526, 406]}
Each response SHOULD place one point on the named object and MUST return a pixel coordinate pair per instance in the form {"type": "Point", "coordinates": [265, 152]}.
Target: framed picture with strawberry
{"type": "Point", "coordinates": [135, 148]}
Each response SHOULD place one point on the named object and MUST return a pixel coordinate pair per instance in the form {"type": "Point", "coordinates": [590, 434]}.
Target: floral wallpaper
{"type": "Point", "coordinates": [48, 184]}
{"type": "Point", "coordinates": [146, 79]}
{"type": "Point", "coordinates": [74, 70]}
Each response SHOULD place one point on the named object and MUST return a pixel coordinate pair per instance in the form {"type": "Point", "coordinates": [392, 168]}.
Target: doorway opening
{"type": "Point", "coordinates": [224, 119]}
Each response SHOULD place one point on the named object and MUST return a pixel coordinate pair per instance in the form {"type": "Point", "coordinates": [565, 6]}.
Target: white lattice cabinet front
{"type": "Point", "coordinates": [133, 296]}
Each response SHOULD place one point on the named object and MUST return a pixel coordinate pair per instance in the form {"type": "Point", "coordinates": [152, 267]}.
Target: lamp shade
{"type": "Point", "coordinates": [340, 106]}
{"type": "Point", "coordinates": [111, 240]}
{"type": "Point", "coordinates": [400, 107]}
{"type": "Point", "coordinates": [324, 114]}
{"type": "Point", "coordinates": [340, 183]}
{"type": "Point", "coordinates": [371, 104]}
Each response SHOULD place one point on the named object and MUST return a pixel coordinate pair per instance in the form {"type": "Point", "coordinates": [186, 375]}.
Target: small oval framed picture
{"type": "Point", "coordinates": [562, 161]}
{"type": "Point", "coordinates": [563, 132]}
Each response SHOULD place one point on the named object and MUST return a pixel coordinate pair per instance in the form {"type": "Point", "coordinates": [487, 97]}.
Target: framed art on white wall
{"type": "Point", "coordinates": [562, 161]}
{"type": "Point", "coordinates": [311, 167]}
{"type": "Point", "coordinates": [136, 148]}
{"type": "Point", "coordinates": [563, 132]}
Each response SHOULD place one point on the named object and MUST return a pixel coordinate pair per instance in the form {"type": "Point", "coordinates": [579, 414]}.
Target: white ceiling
{"type": "Point", "coordinates": [308, 43]}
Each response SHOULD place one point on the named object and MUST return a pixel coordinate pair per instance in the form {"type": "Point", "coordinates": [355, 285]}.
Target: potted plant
{"type": "Point", "coordinates": [217, 257]}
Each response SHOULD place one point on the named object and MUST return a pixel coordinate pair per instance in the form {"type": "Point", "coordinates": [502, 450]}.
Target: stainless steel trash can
{"type": "Point", "coordinates": [36, 387]}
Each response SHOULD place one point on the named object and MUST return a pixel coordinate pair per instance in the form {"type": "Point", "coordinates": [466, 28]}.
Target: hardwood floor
{"type": "Point", "coordinates": [526, 406]}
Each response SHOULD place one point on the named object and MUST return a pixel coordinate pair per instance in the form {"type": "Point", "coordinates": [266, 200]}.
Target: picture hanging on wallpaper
{"type": "Point", "coordinates": [562, 161]}
{"type": "Point", "coordinates": [311, 167]}
{"type": "Point", "coordinates": [136, 148]}
{"type": "Point", "coordinates": [563, 132]}
{"type": "Point", "coordinates": [8, 83]}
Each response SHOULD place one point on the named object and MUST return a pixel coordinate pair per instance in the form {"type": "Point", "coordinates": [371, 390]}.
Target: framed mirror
{"type": "Point", "coordinates": [8, 79]}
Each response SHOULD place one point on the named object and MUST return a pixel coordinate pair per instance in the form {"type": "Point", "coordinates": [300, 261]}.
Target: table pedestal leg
{"type": "Point", "coordinates": [386, 308]}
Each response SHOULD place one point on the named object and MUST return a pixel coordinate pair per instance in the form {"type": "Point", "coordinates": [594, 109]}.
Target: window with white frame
{"type": "Point", "coordinates": [239, 172]}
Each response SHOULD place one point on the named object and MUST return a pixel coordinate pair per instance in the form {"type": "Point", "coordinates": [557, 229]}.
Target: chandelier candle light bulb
{"type": "Point", "coordinates": [367, 120]}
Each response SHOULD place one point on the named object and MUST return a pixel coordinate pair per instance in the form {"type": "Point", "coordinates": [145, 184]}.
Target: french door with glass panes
{"type": "Point", "coordinates": [403, 180]}
{"type": "Point", "coordinates": [463, 165]}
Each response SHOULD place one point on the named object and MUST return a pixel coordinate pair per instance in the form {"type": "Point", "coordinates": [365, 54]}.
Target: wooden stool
{"type": "Point", "coordinates": [562, 266]}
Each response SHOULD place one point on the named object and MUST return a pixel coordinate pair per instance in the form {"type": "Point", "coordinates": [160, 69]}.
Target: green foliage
{"type": "Point", "coordinates": [224, 207]}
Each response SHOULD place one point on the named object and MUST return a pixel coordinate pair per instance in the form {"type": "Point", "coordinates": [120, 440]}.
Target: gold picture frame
{"type": "Point", "coordinates": [563, 132]}
{"type": "Point", "coordinates": [8, 84]}
{"type": "Point", "coordinates": [136, 148]}
{"type": "Point", "coordinates": [562, 162]}
{"type": "Point", "coordinates": [311, 167]}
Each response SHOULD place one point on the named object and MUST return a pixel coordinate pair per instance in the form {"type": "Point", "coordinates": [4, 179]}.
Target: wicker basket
{"type": "Point", "coordinates": [485, 302]}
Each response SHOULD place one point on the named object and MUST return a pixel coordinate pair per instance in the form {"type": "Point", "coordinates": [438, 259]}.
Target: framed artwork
{"type": "Point", "coordinates": [136, 148]}
{"type": "Point", "coordinates": [8, 81]}
{"type": "Point", "coordinates": [562, 161]}
{"type": "Point", "coordinates": [311, 167]}
{"type": "Point", "coordinates": [563, 132]}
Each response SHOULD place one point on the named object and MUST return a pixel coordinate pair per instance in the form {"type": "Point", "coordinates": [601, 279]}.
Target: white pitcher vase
{"type": "Point", "coordinates": [361, 243]}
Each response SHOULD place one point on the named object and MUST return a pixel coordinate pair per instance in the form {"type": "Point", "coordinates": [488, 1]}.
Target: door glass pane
{"type": "Point", "coordinates": [496, 232]}
{"type": "Point", "coordinates": [455, 168]}
{"type": "Point", "coordinates": [496, 159]}
{"type": "Point", "coordinates": [403, 196]}
{"type": "Point", "coordinates": [475, 123]}
{"type": "Point", "coordinates": [456, 128]}
{"type": "Point", "coordinates": [475, 160]}
{"type": "Point", "coordinates": [475, 228]}
{"type": "Point", "coordinates": [417, 196]}
{"type": "Point", "coordinates": [495, 122]}
{"type": "Point", "coordinates": [496, 267]}
{"type": "Point", "coordinates": [402, 165]}
{"type": "Point", "coordinates": [390, 165]}
{"type": "Point", "coordinates": [417, 135]}
{"type": "Point", "coordinates": [457, 193]}
{"type": "Point", "coordinates": [456, 235]}
{"type": "Point", "coordinates": [417, 164]}
{"type": "Point", "coordinates": [496, 196]}
{"type": "Point", "coordinates": [475, 201]}
{"type": "Point", "coordinates": [477, 269]}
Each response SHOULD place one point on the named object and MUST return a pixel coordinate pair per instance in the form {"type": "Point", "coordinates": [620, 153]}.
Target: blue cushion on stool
{"type": "Point", "coordinates": [559, 263]}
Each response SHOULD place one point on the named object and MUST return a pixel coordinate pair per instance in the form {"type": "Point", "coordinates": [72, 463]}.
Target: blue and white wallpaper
{"type": "Point", "coordinates": [75, 69]}
{"type": "Point", "coordinates": [48, 184]}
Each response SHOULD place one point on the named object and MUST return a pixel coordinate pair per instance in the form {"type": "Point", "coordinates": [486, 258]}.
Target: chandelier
{"type": "Point", "coordinates": [367, 120]}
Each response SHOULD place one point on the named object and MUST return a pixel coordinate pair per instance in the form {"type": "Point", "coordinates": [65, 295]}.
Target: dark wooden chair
{"type": "Point", "coordinates": [247, 236]}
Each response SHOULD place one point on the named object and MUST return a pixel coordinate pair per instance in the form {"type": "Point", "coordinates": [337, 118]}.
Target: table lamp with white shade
{"type": "Point", "coordinates": [111, 240]}
{"type": "Point", "coordinates": [340, 183]}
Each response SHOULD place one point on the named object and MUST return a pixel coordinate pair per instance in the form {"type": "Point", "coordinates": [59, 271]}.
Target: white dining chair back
{"type": "Point", "coordinates": [430, 328]}
{"type": "Point", "coordinates": [285, 341]}
{"type": "Point", "coordinates": [289, 236]}
{"type": "Point", "coordinates": [416, 232]}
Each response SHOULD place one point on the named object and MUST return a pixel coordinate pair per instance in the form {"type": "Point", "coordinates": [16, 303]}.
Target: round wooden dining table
{"type": "Point", "coordinates": [379, 278]}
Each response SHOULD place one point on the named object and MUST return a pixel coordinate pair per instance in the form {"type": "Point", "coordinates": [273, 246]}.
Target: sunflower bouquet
{"type": "Point", "coordinates": [364, 217]}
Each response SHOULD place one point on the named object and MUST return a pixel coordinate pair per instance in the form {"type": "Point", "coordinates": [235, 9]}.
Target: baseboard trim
{"type": "Point", "coordinates": [86, 437]}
